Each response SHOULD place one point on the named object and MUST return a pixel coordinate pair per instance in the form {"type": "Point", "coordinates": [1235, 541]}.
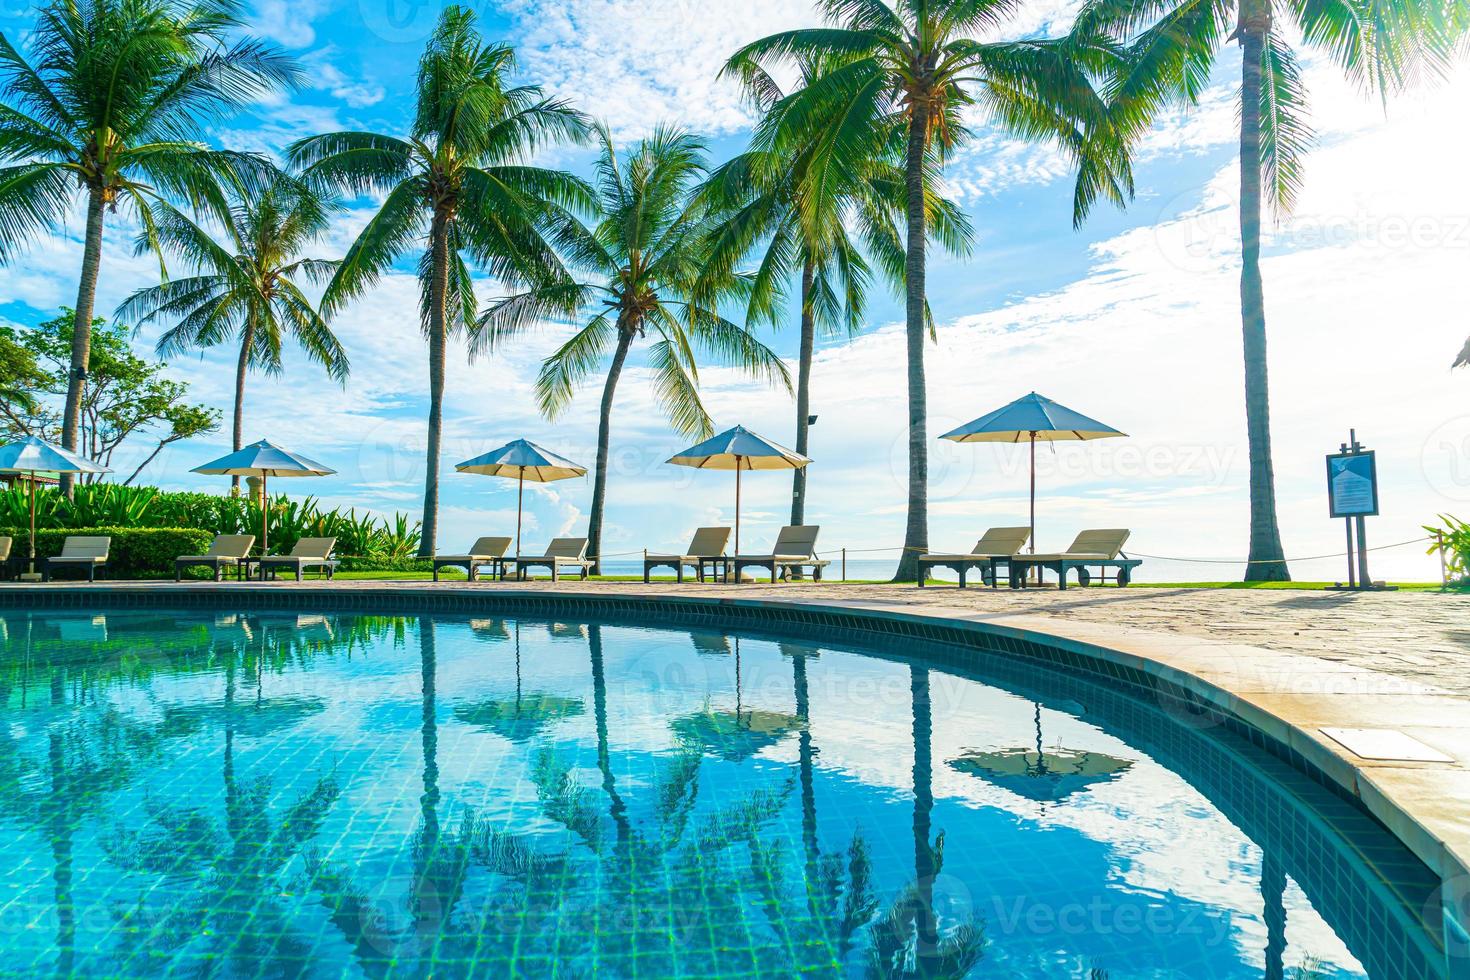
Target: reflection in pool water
{"type": "Point", "coordinates": [274, 794]}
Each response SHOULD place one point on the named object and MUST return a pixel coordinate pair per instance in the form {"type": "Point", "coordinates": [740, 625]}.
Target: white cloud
{"type": "Point", "coordinates": [288, 22]}
{"type": "Point", "coordinates": [637, 64]}
{"type": "Point", "coordinates": [358, 93]}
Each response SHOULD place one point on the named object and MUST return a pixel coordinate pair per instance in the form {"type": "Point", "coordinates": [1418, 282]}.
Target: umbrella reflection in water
{"type": "Point", "coordinates": [1040, 774]}
{"type": "Point", "coordinates": [526, 717]}
{"type": "Point", "coordinates": [738, 735]}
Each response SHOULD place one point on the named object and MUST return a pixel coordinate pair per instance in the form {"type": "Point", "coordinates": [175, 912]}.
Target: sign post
{"type": "Point", "coordinates": [1352, 494]}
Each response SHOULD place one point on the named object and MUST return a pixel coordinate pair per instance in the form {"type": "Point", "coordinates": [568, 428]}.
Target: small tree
{"type": "Point", "coordinates": [125, 395]}
{"type": "Point", "coordinates": [19, 377]}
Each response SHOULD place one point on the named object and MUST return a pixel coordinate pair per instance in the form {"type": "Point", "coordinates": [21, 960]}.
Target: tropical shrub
{"type": "Point", "coordinates": [113, 505]}
{"type": "Point", "coordinates": [147, 552]}
{"type": "Point", "coordinates": [1451, 541]}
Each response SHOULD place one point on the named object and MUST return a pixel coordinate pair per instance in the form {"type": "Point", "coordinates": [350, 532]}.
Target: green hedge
{"type": "Point", "coordinates": [135, 552]}
{"type": "Point", "coordinates": [352, 564]}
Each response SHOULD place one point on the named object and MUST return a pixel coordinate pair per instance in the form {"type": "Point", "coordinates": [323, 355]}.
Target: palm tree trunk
{"type": "Point", "coordinates": [61, 827]}
{"type": "Point", "coordinates": [604, 428]}
{"type": "Point", "coordinates": [81, 335]}
{"type": "Point", "coordinates": [1267, 561]}
{"type": "Point", "coordinates": [429, 900]}
{"type": "Point", "coordinates": [916, 534]}
{"type": "Point", "coordinates": [803, 391]}
{"type": "Point", "coordinates": [438, 341]}
{"type": "Point", "coordinates": [806, 755]}
{"type": "Point", "coordinates": [617, 807]}
{"type": "Point", "coordinates": [241, 368]}
{"type": "Point", "coordinates": [926, 862]}
{"type": "Point", "coordinates": [1273, 894]}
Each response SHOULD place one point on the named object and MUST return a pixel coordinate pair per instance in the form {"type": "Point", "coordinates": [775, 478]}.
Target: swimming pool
{"type": "Point", "coordinates": [284, 793]}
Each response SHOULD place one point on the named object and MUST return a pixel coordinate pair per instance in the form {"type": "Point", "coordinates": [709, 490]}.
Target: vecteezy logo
{"type": "Point", "coordinates": [1445, 459]}
{"type": "Point", "coordinates": [399, 21]}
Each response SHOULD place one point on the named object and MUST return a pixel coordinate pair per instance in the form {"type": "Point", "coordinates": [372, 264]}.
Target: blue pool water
{"type": "Point", "coordinates": [274, 794]}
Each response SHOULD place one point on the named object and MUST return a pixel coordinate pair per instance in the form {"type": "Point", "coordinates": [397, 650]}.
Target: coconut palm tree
{"type": "Point", "coordinates": [246, 289]}
{"type": "Point", "coordinates": [114, 105]}
{"type": "Point", "coordinates": [814, 232]}
{"type": "Point", "coordinates": [457, 186]}
{"type": "Point", "coordinates": [641, 270]}
{"type": "Point", "coordinates": [908, 70]}
{"type": "Point", "coordinates": [1173, 46]}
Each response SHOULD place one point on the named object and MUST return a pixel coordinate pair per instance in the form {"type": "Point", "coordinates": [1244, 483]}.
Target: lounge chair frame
{"type": "Point", "coordinates": [218, 563]}
{"type": "Point", "coordinates": [322, 560]}
{"type": "Point", "coordinates": [1083, 556]}
{"type": "Point", "coordinates": [482, 554]}
{"type": "Point", "coordinates": [574, 556]}
{"type": "Point", "coordinates": [989, 555]}
{"type": "Point", "coordinates": [988, 565]}
{"type": "Point", "coordinates": [94, 562]}
{"type": "Point", "coordinates": [799, 542]}
{"type": "Point", "coordinates": [705, 565]}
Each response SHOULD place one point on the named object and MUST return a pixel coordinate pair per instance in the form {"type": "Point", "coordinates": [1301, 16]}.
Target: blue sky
{"type": "Point", "coordinates": [1132, 320]}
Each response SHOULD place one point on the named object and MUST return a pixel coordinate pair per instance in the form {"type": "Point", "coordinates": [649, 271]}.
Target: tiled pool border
{"type": "Point", "coordinates": [1211, 703]}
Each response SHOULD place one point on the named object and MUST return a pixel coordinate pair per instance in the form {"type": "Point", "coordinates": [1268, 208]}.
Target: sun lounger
{"type": "Point", "coordinates": [5, 544]}
{"type": "Point", "coordinates": [1101, 549]}
{"type": "Point", "coordinates": [562, 553]}
{"type": "Point", "coordinates": [796, 548]}
{"type": "Point", "coordinates": [998, 545]}
{"type": "Point", "coordinates": [227, 551]}
{"type": "Point", "coordinates": [308, 553]}
{"type": "Point", "coordinates": [80, 552]}
{"type": "Point", "coordinates": [485, 551]}
{"type": "Point", "coordinates": [706, 550]}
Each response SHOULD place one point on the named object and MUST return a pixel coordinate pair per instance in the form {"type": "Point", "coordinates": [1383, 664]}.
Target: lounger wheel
{"type": "Point", "coordinates": [1084, 577]}
{"type": "Point", "coordinates": [1125, 575]}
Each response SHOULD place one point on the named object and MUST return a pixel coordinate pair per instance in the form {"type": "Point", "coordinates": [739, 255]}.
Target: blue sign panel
{"type": "Point", "coordinates": [1352, 484]}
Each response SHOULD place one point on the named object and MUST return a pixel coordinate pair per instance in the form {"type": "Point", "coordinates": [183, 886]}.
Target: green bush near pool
{"type": "Point", "coordinates": [147, 552]}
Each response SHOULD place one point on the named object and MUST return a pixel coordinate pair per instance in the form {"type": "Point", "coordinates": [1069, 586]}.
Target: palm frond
{"type": "Point", "coordinates": [677, 390]}
{"type": "Point", "coordinates": [390, 232]}
{"type": "Point", "coordinates": [1285, 134]}
{"type": "Point", "coordinates": [513, 316]}
{"type": "Point", "coordinates": [571, 363]}
{"type": "Point", "coordinates": [33, 198]}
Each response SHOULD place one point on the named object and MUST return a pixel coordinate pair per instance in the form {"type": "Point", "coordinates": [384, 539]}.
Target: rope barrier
{"type": "Point", "coordinates": [1209, 561]}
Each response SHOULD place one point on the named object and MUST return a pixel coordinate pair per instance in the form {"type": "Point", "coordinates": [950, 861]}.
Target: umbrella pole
{"type": "Point", "coordinates": [737, 505]}
{"type": "Point", "coordinates": [265, 503]}
{"type": "Point", "coordinates": [1032, 546]}
{"type": "Point", "coordinates": [520, 498]}
{"type": "Point", "coordinates": [33, 521]}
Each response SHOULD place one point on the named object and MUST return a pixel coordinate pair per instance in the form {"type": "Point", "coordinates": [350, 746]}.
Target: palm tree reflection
{"type": "Point", "coordinates": [227, 898]}
{"type": "Point", "coordinates": [907, 939]}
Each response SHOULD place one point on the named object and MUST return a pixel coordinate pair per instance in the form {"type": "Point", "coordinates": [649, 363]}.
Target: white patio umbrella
{"type": "Point", "coordinates": [34, 456]}
{"type": "Point", "coordinates": [523, 460]}
{"type": "Point", "coordinates": [1032, 418]}
{"type": "Point", "coordinates": [264, 460]}
{"type": "Point", "coordinates": [739, 449]}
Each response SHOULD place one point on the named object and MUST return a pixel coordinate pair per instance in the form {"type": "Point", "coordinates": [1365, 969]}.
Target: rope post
{"type": "Point", "coordinates": [844, 563]}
